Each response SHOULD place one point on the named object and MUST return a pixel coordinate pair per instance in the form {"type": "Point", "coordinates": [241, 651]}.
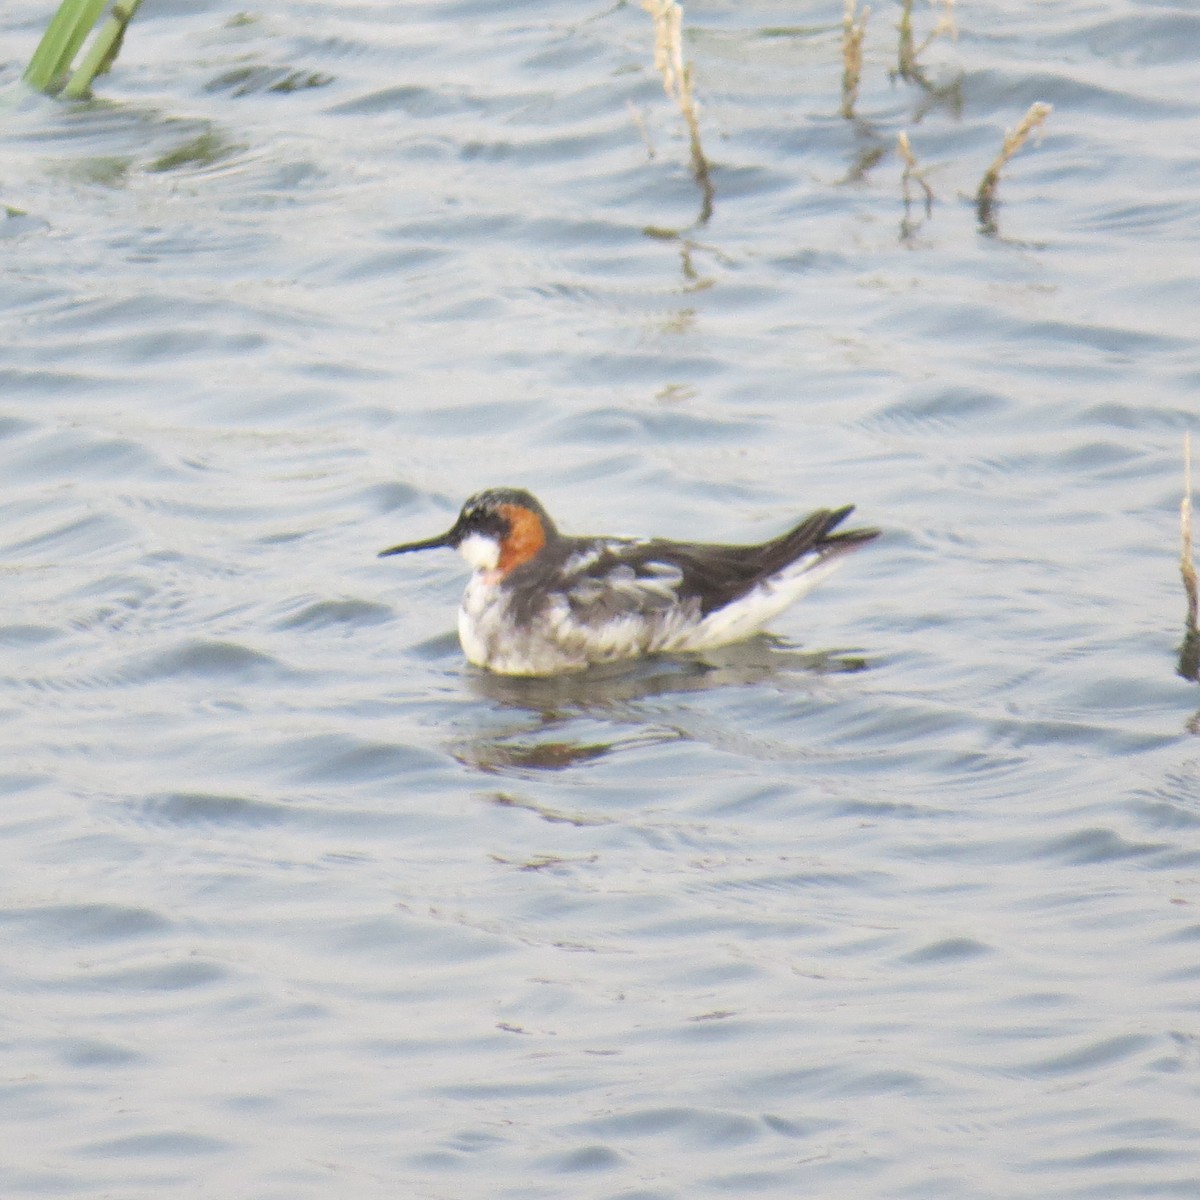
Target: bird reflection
{"type": "Point", "coordinates": [605, 701]}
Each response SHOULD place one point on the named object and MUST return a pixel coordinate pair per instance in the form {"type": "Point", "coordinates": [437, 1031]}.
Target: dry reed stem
{"type": "Point", "coordinates": [639, 122]}
{"type": "Point", "coordinates": [912, 171]}
{"type": "Point", "coordinates": [908, 52]}
{"type": "Point", "coordinates": [853, 32]}
{"type": "Point", "coordinates": [677, 83]}
{"type": "Point", "coordinates": [1187, 564]}
{"type": "Point", "coordinates": [1013, 141]}
{"type": "Point", "coordinates": [946, 23]}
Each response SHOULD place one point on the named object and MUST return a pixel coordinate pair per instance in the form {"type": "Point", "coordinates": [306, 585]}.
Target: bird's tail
{"type": "Point", "coordinates": [815, 533]}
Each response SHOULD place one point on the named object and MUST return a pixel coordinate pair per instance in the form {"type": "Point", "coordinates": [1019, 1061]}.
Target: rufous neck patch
{"type": "Point", "coordinates": [526, 537]}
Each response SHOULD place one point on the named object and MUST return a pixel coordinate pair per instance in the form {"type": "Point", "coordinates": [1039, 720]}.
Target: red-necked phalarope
{"type": "Point", "coordinates": [541, 603]}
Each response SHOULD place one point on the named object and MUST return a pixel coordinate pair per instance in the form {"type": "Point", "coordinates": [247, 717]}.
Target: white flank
{"type": "Point", "coordinates": [759, 607]}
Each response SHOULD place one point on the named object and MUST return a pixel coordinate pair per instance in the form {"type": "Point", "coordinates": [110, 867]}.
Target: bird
{"type": "Point", "coordinates": [540, 602]}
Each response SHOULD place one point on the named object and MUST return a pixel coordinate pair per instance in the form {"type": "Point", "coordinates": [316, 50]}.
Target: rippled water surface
{"type": "Point", "coordinates": [902, 902]}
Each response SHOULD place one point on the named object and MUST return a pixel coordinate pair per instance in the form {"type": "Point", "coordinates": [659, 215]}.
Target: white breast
{"type": "Point", "coordinates": [480, 612]}
{"type": "Point", "coordinates": [491, 638]}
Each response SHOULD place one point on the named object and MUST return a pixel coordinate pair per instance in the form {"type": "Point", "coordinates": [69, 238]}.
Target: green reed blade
{"type": "Point", "coordinates": [60, 43]}
{"type": "Point", "coordinates": [103, 50]}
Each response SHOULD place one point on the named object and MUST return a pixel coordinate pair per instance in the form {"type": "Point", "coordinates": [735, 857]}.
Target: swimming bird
{"type": "Point", "coordinates": [542, 603]}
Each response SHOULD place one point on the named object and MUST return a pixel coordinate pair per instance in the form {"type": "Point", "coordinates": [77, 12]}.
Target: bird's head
{"type": "Point", "coordinates": [497, 530]}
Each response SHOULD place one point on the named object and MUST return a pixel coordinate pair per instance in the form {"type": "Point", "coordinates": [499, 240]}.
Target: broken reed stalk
{"type": "Point", "coordinates": [908, 52]}
{"type": "Point", "coordinates": [1189, 649]}
{"type": "Point", "coordinates": [945, 24]}
{"type": "Point", "coordinates": [985, 198]}
{"type": "Point", "coordinates": [1187, 564]}
{"type": "Point", "coordinates": [677, 83]}
{"type": "Point", "coordinates": [912, 171]}
{"type": "Point", "coordinates": [635, 115]}
{"type": "Point", "coordinates": [853, 32]}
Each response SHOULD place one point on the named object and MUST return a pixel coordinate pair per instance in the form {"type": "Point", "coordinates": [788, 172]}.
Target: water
{"type": "Point", "coordinates": [900, 903]}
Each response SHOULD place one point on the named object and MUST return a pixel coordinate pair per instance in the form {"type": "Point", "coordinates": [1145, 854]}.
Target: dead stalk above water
{"type": "Point", "coordinates": [1189, 648]}
{"type": "Point", "coordinates": [908, 51]}
{"type": "Point", "coordinates": [854, 29]}
{"type": "Point", "coordinates": [1187, 564]}
{"type": "Point", "coordinates": [677, 83]}
{"type": "Point", "coordinates": [911, 172]}
{"type": "Point", "coordinates": [635, 115]}
{"type": "Point", "coordinates": [985, 198]}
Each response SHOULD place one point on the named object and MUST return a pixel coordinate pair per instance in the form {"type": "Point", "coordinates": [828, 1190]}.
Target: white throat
{"type": "Point", "coordinates": [481, 551]}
